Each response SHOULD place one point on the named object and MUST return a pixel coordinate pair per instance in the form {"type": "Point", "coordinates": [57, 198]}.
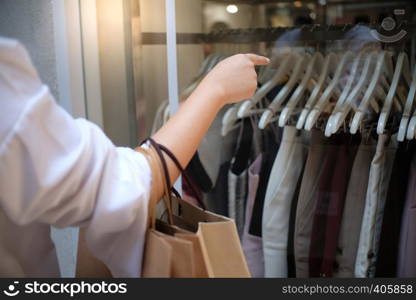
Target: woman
{"type": "Point", "coordinates": [58, 171]}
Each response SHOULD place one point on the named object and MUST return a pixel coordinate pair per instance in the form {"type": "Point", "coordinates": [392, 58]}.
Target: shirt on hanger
{"type": "Point", "coordinates": [252, 245]}
{"type": "Point", "coordinates": [237, 176]}
{"type": "Point", "coordinates": [306, 202]}
{"type": "Point", "coordinates": [380, 174]}
{"type": "Point", "coordinates": [388, 251]}
{"type": "Point", "coordinates": [281, 189]}
{"type": "Point", "coordinates": [331, 194]}
{"type": "Point", "coordinates": [406, 262]}
{"type": "Point", "coordinates": [349, 235]}
{"type": "Point", "coordinates": [271, 143]}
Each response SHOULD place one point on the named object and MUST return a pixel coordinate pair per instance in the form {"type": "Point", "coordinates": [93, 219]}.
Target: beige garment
{"type": "Point", "coordinates": [286, 172]}
{"type": "Point", "coordinates": [307, 202]}
{"type": "Point", "coordinates": [354, 209]}
{"type": "Point", "coordinates": [380, 172]}
{"type": "Point", "coordinates": [252, 244]}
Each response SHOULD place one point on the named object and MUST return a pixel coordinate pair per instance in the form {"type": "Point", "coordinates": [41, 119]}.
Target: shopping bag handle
{"type": "Point", "coordinates": [161, 148]}
{"type": "Point", "coordinates": [158, 184]}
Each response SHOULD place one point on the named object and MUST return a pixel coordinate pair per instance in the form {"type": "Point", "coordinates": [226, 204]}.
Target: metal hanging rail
{"type": "Point", "coordinates": [327, 2]}
{"type": "Point", "coordinates": [305, 33]}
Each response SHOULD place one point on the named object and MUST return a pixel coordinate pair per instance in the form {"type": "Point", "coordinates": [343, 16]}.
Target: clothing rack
{"type": "Point", "coordinates": [315, 33]}
{"type": "Point", "coordinates": [302, 169]}
{"type": "Point", "coordinates": [263, 2]}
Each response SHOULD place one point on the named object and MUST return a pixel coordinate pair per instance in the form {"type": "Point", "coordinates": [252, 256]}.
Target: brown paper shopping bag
{"type": "Point", "coordinates": [218, 243]}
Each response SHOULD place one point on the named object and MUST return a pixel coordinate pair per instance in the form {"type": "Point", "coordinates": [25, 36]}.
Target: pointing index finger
{"type": "Point", "coordinates": [258, 60]}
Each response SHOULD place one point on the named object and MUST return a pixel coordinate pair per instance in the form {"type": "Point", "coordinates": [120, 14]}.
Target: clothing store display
{"type": "Point", "coordinates": [238, 176]}
{"type": "Point", "coordinates": [243, 149]}
{"type": "Point", "coordinates": [327, 198]}
{"type": "Point", "coordinates": [406, 262]}
{"type": "Point", "coordinates": [291, 263]}
{"type": "Point", "coordinates": [353, 209]}
{"type": "Point", "coordinates": [196, 170]}
{"type": "Point", "coordinates": [317, 203]}
{"type": "Point", "coordinates": [323, 199]}
{"type": "Point", "coordinates": [208, 152]}
{"type": "Point", "coordinates": [237, 191]}
{"type": "Point", "coordinates": [283, 181]}
{"type": "Point", "coordinates": [270, 145]}
{"type": "Point", "coordinates": [270, 141]}
{"type": "Point", "coordinates": [217, 199]}
{"type": "Point", "coordinates": [205, 165]}
{"type": "Point", "coordinates": [380, 173]}
{"type": "Point", "coordinates": [307, 201]}
{"type": "Point", "coordinates": [332, 189]}
{"type": "Point", "coordinates": [252, 245]}
{"type": "Point", "coordinates": [393, 212]}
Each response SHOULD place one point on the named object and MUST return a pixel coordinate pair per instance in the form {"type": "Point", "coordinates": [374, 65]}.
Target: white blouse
{"type": "Point", "coordinates": [58, 171]}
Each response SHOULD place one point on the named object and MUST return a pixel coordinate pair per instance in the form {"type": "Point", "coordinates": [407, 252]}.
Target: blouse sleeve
{"type": "Point", "coordinates": [65, 172]}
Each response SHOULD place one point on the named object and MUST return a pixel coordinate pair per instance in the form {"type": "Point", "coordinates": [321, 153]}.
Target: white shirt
{"type": "Point", "coordinates": [58, 171]}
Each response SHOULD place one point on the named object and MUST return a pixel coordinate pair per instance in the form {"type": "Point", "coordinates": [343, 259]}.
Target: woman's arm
{"type": "Point", "coordinates": [64, 172]}
{"type": "Point", "coordinates": [232, 80]}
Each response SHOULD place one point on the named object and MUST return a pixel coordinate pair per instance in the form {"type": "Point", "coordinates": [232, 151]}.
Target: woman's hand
{"type": "Point", "coordinates": [234, 79]}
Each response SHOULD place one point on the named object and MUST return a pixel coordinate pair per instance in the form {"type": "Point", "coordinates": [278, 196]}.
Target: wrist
{"type": "Point", "coordinates": [213, 94]}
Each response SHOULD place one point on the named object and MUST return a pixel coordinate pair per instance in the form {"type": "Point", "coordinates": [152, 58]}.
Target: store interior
{"type": "Point", "coordinates": [203, 26]}
{"type": "Point", "coordinates": [358, 56]}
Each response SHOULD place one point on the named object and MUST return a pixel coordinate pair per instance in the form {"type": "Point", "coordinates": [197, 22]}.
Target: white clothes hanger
{"type": "Point", "coordinates": [400, 98]}
{"type": "Point", "coordinates": [314, 68]}
{"type": "Point", "coordinates": [352, 77]}
{"type": "Point", "coordinates": [216, 58]}
{"type": "Point", "coordinates": [411, 130]}
{"type": "Point", "coordinates": [295, 76]}
{"type": "Point", "coordinates": [166, 114]}
{"type": "Point", "coordinates": [205, 65]}
{"type": "Point", "coordinates": [339, 117]}
{"type": "Point", "coordinates": [383, 64]}
{"type": "Point", "coordinates": [262, 73]}
{"type": "Point", "coordinates": [285, 68]}
{"type": "Point", "coordinates": [229, 120]}
{"type": "Point", "coordinates": [328, 68]}
{"type": "Point", "coordinates": [403, 129]}
{"type": "Point", "coordinates": [402, 67]}
{"type": "Point", "coordinates": [323, 102]}
{"type": "Point", "coordinates": [382, 94]}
